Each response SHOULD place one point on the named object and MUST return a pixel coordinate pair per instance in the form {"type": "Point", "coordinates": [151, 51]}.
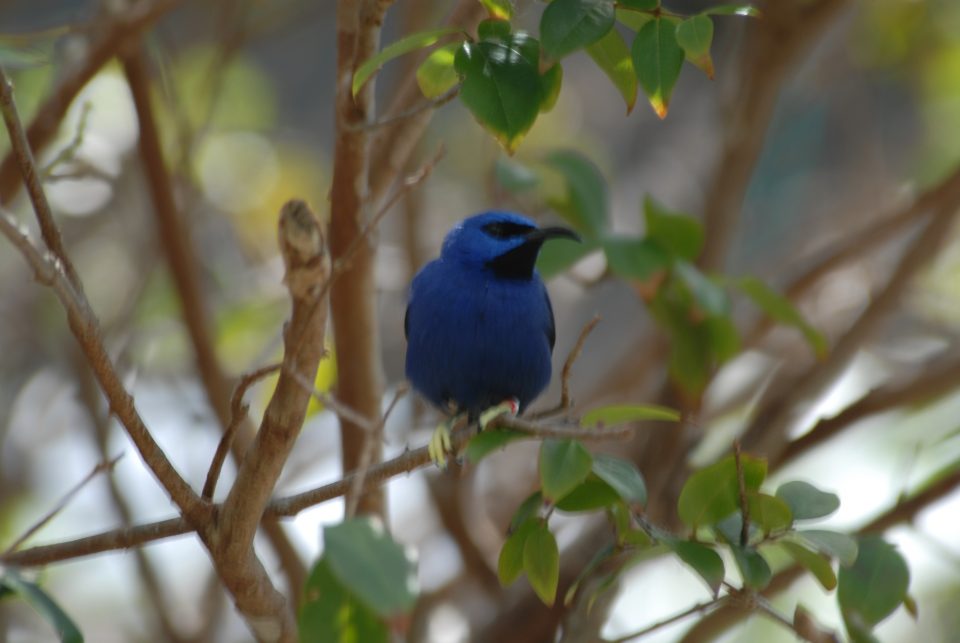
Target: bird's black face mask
{"type": "Point", "coordinates": [519, 262]}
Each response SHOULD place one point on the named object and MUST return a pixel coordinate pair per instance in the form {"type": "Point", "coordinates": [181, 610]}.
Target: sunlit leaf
{"type": "Point", "coordinates": [657, 59]}
{"type": "Point", "coordinates": [500, 9]}
{"type": "Point", "coordinates": [734, 10]}
{"type": "Point", "coordinates": [510, 562]}
{"type": "Point", "coordinates": [806, 501]}
{"type": "Point", "coordinates": [769, 512]}
{"type": "Point", "coordinates": [876, 584]}
{"type": "Point", "coordinates": [541, 562]}
{"type": "Point", "coordinates": [564, 464]}
{"type": "Point", "coordinates": [815, 563]}
{"type": "Point", "coordinates": [375, 568]}
{"type": "Point", "coordinates": [486, 442]}
{"type": "Point", "coordinates": [567, 25]}
{"type": "Point", "coordinates": [702, 559]}
{"type": "Point", "coordinates": [501, 85]}
{"type": "Point", "coordinates": [607, 416]}
{"type": "Point", "coordinates": [41, 602]}
{"type": "Point", "coordinates": [695, 35]}
{"type": "Point", "coordinates": [436, 75]}
{"type": "Point", "coordinates": [713, 493]}
{"type": "Point", "coordinates": [612, 56]}
{"type": "Point", "coordinates": [550, 81]}
{"type": "Point", "coordinates": [633, 19]}
{"type": "Point", "coordinates": [403, 46]}
{"type": "Point", "coordinates": [331, 613]}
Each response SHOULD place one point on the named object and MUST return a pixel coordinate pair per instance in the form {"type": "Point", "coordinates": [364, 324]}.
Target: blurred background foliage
{"type": "Point", "coordinates": [244, 91]}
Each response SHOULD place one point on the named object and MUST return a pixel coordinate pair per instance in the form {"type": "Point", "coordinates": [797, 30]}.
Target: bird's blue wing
{"type": "Point", "coordinates": [551, 325]}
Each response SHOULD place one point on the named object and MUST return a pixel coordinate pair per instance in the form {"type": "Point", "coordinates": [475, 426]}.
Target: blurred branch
{"type": "Point", "coordinates": [353, 296]}
{"type": "Point", "coordinates": [288, 506]}
{"type": "Point", "coordinates": [117, 30]}
{"type": "Point", "coordinates": [768, 429]}
{"type": "Point", "coordinates": [102, 467]}
{"type": "Point", "coordinates": [774, 45]}
{"type": "Point", "coordinates": [699, 608]}
{"type": "Point", "coordinates": [931, 383]}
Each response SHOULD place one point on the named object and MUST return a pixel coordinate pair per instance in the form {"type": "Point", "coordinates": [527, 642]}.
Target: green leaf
{"type": "Point", "coordinates": [541, 561]}
{"type": "Point", "coordinates": [840, 546]}
{"type": "Point", "coordinates": [612, 56]}
{"type": "Point", "coordinates": [681, 235]}
{"type": "Point", "coordinates": [30, 49]}
{"type": "Point", "coordinates": [590, 495]}
{"type": "Point", "coordinates": [436, 75]}
{"type": "Point", "coordinates": [331, 613]}
{"type": "Point", "coordinates": [528, 509]}
{"type": "Point", "coordinates": [510, 562]}
{"type": "Point", "coordinates": [768, 512]}
{"type": "Point", "coordinates": [657, 58]}
{"type": "Point", "coordinates": [753, 567]}
{"type": "Point", "coordinates": [780, 309]}
{"type": "Point", "coordinates": [560, 254]}
{"type": "Point", "coordinates": [586, 204]}
{"type": "Point", "coordinates": [623, 476]}
{"type": "Point", "coordinates": [734, 10]}
{"type": "Point", "coordinates": [415, 41]}
{"type": "Point", "coordinates": [633, 19]}
{"type": "Point", "coordinates": [371, 565]}
{"type": "Point", "coordinates": [723, 338]}
{"type": "Point", "coordinates": [493, 29]}
{"type": "Point", "coordinates": [564, 464]}
{"type": "Point", "coordinates": [694, 35]}
{"type": "Point", "coordinates": [712, 493]}
{"type": "Point", "coordinates": [550, 81]}
{"type": "Point", "coordinates": [607, 416]}
{"type": "Point", "coordinates": [501, 85]}
{"type": "Point", "coordinates": [486, 442]}
{"type": "Point", "coordinates": [500, 9]}
{"type": "Point", "coordinates": [806, 501]}
{"type": "Point", "coordinates": [876, 584]}
{"type": "Point", "coordinates": [568, 25]}
{"type": "Point", "coordinates": [710, 298]}
{"type": "Point", "coordinates": [641, 259]}
{"type": "Point", "coordinates": [640, 5]}
{"type": "Point", "coordinates": [815, 563]}
{"type": "Point", "coordinates": [702, 560]}
{"type": "Point", "coordinates": [41, 602]}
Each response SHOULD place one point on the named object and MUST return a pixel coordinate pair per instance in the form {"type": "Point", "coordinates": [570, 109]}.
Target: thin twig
{"type": "Point", "coordinates": [353, 498]}
{"type": "Point", "coordinates": [31, 179]}
{"type": "Point", "coordinates": [565, 399]}
{"type": "Point", "coordinates": [334, 404]}
{"type": "Point", "coordinates": [696, 609]}
{"type": "Point", "coordinates": [102, 467]}
{"type": "Point", "coordinates": [69, 151]}
{"type": "Point", "coordinates": [238, 412]}
{"type": "Point", "coordinates": [413, 111]}
{"type": "Point", "coordinates": [742, 491]}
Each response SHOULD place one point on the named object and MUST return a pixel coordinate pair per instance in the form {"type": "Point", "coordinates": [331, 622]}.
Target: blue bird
{"type": "Point", "coordinates": [479, 324]}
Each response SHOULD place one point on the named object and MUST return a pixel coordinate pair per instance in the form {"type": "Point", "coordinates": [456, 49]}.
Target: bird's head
{"type": "Point", "coordinates": [506, 243]}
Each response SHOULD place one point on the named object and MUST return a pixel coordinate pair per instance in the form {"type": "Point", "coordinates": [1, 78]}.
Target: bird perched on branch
{"type": "Point", "coordinates": [479, 323]}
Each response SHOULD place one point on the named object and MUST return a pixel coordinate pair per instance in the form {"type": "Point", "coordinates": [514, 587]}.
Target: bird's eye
{"type": "Point", "coordinates": [506, 229]}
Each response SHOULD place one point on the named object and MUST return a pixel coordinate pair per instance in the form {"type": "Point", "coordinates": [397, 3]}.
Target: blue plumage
{"type": "Point", "coordinates": [479, 323]}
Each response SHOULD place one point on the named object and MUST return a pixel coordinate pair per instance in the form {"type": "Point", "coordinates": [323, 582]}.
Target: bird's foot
{"type": "Point", "coordinates": [439, 445]}
{"type": "Point", "coordinates": [511, 406]}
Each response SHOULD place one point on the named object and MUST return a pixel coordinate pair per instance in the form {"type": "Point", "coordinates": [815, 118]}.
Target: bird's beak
{"type": "Point", "coordinates": [553, 232]}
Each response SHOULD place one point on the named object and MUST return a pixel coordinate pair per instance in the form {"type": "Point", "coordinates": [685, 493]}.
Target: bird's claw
{"type": "Point", "coordinates": [511, 406]}
{"type": "Point", "coordinates": [440, 445]}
